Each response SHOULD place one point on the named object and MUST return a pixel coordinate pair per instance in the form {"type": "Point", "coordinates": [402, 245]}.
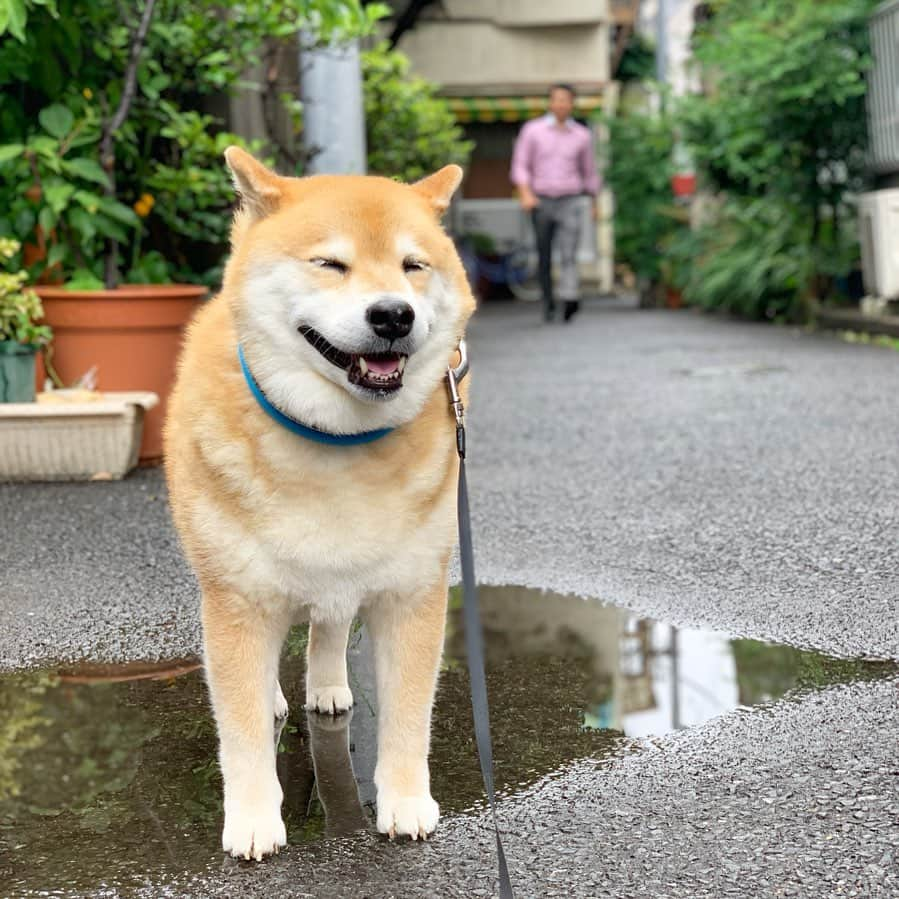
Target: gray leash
{"type": "Point", "coordinates": [474, 641]}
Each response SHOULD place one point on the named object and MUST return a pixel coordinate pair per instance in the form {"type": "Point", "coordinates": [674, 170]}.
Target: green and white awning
{"type": "Point", "coordinates": [513, 109]}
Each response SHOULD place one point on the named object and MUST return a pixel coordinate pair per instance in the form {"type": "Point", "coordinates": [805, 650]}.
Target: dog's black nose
{"type": "Point", "coordinates": [391, 319]}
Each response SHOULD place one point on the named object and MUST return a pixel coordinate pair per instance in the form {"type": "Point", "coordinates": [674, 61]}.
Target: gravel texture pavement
{"type": "Point", "coordinates": [710, 473]}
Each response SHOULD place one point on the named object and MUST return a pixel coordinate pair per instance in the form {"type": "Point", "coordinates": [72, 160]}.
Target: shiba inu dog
{"type": "Point", "coordinates": [311, 465]}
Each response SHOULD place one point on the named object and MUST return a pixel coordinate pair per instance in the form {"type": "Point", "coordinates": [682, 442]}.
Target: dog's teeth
{"type": "Point", "coordinates": [402, 364]}
{"type": "Point", "coordinates": [363, 366]}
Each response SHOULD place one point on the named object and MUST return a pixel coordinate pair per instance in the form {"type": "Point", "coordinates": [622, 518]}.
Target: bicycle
{"type": "Point", "coordinates": [514, 268]}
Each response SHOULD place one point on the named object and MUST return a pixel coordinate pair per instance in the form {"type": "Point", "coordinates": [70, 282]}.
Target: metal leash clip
{"type": "Point", "coordinates": [453, 377]}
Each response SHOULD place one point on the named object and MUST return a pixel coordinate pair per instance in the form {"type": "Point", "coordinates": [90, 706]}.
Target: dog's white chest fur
{"type": "Point", "coordinates": [338, 540]}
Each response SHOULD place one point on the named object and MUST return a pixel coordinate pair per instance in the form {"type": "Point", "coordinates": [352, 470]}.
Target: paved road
{"type": "Point", "coordinates": [735, 476]}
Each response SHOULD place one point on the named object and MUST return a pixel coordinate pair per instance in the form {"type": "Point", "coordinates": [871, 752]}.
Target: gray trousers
{"type": "Point", "coordinates": [558, 219]}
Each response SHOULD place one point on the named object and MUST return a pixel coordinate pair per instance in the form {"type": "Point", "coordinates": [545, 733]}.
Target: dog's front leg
{"type": "Point", "coordinates": [327, 687]}
{"type": "Point", "coordinates": [408, 640]}
{"type": "Point", "coordinates": [242, 643]}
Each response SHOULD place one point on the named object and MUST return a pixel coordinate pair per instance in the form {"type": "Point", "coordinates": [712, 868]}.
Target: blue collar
{"type": "Point", "coordinates": [297, 427]}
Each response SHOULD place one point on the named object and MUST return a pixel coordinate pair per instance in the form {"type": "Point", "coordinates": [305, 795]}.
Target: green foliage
{"type": "Point", "coordinates": [54, 191]}
{"type": "Point", "coordinates": [767, 671]}
{"type": "Point", "coordinates": [781, 130]}
{"type": "Point", "coordinates": [638, 62]}
{"type": "Point", "coordinates": [786, 109]}
{"type": "Point", "coordinates": [297, 641]}
{"type": "Point", "coordinates": [880, 340]}
{"type": "Point", "coordinates": [63, 78]}
{"type": "Point", "coordinates": [410, 131]}
{"type": "Point", "coordinates": [23, 729]}
{"type": "Point", "coordinates": [14, 15]}
{"type": "Point", "coordinates": [192, 194]}
{"type": "Point", "coordinates": [20, 308]}
{"type": "Point", "coordinates": [752, 260]}
{"type": "Point", "coordinates": [639, 171]}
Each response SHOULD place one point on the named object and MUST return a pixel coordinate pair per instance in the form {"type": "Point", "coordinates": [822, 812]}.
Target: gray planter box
{"type": "Point", "coordinates": [56, 440]}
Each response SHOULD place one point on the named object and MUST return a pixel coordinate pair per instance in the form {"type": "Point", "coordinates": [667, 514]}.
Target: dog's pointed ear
{"type": "Point", "coordinates": [440, 187]}
{"type": "Point", "coordinates": [260, 188]}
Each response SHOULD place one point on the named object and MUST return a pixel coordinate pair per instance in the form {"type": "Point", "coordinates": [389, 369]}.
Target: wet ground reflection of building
{"type": "Point", "coordinates": [109, 776]}
{"type": "Point", "coordinates": [647, 677]}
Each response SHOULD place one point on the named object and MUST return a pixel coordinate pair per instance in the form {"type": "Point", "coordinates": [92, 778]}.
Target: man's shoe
{"type": "Point", "coordinates": [571, 309]}
{"type": "Point", "coordinates": [549, 313]}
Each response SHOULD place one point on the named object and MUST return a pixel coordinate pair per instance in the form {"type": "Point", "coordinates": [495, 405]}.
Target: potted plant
{"type": "Point", "coordinates": [129, 334]}
{"type": "Point", "coordinates": [21, 335]}
{"type": "Point", "coordinates": [111, 171]}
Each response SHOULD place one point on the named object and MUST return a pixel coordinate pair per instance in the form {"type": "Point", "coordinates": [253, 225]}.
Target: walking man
{"type": "Point", "coordinates": [553, 166]}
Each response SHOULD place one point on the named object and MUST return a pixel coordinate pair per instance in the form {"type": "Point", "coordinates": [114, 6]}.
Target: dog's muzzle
{"type": "Point", "coordinates": [379, 372]}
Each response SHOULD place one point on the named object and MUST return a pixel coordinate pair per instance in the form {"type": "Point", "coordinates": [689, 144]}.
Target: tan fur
{"type": "Point", "coordinates": [279, 528]}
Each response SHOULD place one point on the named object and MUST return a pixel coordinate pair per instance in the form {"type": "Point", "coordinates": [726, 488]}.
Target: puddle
{"type": "Point", "coordinates": [108, 773]}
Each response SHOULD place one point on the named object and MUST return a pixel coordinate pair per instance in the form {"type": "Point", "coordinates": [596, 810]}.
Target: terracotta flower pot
{"type": "Point", "coordinates": [683, 184]}
{"type": "Point", "coordinates": [674, 299]}
{"type": "Point", "coordinates": [131, 334]}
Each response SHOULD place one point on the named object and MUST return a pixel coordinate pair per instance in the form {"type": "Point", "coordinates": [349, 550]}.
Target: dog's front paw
{"type": "Point", "coordinates": [329, 700]}
{"type": "Point", "coordinates": [413, 816]}
{"type": "Point", "coordinates": [281, 708]}
{"type": "Point", "coordinates": [253, 829]}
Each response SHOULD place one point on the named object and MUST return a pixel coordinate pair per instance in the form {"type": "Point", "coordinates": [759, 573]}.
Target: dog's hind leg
{"type": "Point", "coordinates": [408, 641]}
{"type": "Point", "coordinates": [281, 708]}
{"type": "Point", "coordinates": [327, 686]}
{"type": "Point", "coordinates": [242, 643]}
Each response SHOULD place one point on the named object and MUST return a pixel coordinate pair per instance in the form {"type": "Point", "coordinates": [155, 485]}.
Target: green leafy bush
{"type": "Point", "coordinates": [639, 172]}
{"type": "Point", "coordinates": [780, 131]}
{"type": "Point", "coordinates": [784, 111]}
{"type": "Point", "coordinates": [751, 260]}
{"type": "Point", "coordinates": [163, 195]}
{"type": "Point", "coordinates": [410, 131]}
{"type": "Point", "coordinates": [56, 191]}
{"type": "Point", "coordinates": [14, 15]}
{"type": "Point", "coordinates": [192, 195]}
{"type": "Point", "coordinates": [638, 62]}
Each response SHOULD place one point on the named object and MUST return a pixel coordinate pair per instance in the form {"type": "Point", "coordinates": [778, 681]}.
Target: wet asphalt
{"type": "Point", "coordinates": [702, 471]}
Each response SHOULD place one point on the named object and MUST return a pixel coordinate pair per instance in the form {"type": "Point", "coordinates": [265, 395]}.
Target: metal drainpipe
{"type": "Point", "coordinates": [333, 111]}
{"type": "Point", "coordinates": [661, 42]}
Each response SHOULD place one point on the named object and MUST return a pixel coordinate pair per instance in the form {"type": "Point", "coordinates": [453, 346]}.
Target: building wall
{"type": "Point", "coordinates": [679, 33]}
{"type": "Point", "coordinates": [479, 57]}
{"type": "Point", "coordinates": [529, 13]}
{"type": "Point", "coordinates": [883, 94]}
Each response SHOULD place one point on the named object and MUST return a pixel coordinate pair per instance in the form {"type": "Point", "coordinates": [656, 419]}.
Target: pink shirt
{"type": "Point", "coordinates": [555, 160]}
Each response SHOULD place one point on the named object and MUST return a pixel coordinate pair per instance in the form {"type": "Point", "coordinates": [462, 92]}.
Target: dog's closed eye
{"type": "Point", "coordinates": [334, 265]}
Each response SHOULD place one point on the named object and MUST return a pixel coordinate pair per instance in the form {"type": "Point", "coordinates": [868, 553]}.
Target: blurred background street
{"type": "Point", "coordinates": [683, 481]}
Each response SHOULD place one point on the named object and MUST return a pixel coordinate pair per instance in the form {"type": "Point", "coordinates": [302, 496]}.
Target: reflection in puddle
{"type": "Point", "coordinates": [108, 774]}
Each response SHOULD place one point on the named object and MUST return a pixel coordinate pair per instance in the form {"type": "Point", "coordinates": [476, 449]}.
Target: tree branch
{"type": "Point", "coordinates": [622, 39]}
{"type": "Point", "coordinates": [118, 118]}
{"type": "Point", "coordinates": [406, 20]}
{"type": "Point", "coordinates": [107, 152]}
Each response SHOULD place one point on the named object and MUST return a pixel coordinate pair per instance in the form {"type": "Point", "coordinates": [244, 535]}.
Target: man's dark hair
{"type": "Point", "coordinates": [561, 86]}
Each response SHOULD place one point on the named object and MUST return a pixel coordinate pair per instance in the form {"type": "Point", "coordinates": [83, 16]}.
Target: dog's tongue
{"type": "Point", "coordinates": [382, 366]}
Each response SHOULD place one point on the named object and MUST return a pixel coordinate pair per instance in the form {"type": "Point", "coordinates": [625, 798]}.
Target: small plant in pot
{"type": "Point", "coordinates": [21, 335]}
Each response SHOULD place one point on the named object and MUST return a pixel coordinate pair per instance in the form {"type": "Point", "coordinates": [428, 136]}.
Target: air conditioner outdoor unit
{"type": "Point", "coordinates": [879, 234]}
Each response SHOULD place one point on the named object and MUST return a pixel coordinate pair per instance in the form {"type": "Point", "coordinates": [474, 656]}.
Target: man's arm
{"type": "Point", "coordinates": [521, 172]}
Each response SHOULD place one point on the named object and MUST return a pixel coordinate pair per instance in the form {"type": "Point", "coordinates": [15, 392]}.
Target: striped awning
{"type": "Point", "coordinates": [513, 109]}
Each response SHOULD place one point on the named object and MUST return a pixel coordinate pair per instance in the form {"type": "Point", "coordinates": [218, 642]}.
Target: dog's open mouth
{"type": "Point", "coordinates": [381, 372]}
